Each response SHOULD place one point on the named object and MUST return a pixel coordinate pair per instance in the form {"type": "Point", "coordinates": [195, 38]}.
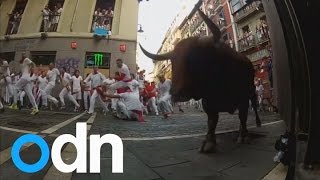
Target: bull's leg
{"type": "Point", "coordinates": [209, 144]}
{"type": "Point", "coordinates": [243, 116]}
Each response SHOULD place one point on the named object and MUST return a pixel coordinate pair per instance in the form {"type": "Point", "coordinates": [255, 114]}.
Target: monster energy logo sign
{"type": "Point", "coordinates": [98, 59]}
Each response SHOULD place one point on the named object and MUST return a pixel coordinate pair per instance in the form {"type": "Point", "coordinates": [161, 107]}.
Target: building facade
{"type": "Point", "coordinates": [253, 37]}
{"type": "Point", "coordinates": [65, 32]}
{"type": "Point", "coordinates": [193, 25]}
{"type": "Point", "coordinates": [220, 13]}
{"type": "Point", "coordinates": [172, 37]}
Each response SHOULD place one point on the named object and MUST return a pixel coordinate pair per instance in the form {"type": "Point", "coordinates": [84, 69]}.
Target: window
{"type": "Point", "coordinates": [8, 56]}
{"type": "Point", "coordinates": [226, 37]}
{"type": "Point", "coordinates": [235, 4]}
{"type": "Point", "coordinates": [103, 17]}
{"type": "Point", "coordinates": [51, 16]}
{"type": "Point", "coordinates": [43, 58]}
{"type": "Point", "coordinates": [15, 17]}
{"type": "Point", "coordinates": [221, 14]}
{"type": "Point", "coordinates": [102, 60]}
{"type": "Point", "coordinates": [245, 29]}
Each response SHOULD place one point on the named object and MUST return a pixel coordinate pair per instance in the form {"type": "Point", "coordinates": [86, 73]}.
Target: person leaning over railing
{"type": "Point", "coordinates": [46, 23]}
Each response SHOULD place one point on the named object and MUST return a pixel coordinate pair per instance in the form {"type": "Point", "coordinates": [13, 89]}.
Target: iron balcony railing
{"type": "Point", "coordinates": [252, 40]}
{"type": "Point", "coordinates": [101, 20]}
{"type": "Point", "coordinates": [247, 10]}
{"type": "Point", "coordinates": [50, 23]}
{"type": "Point", "coordinates": [195, 24]}
{"type": "Point", "coordinates": [13, 24]}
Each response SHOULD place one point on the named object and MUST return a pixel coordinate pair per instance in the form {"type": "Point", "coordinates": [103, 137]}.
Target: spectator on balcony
{"type": "Point", "coordinates": [97, 13]}
{"type": "Point", "coordinates": [13, 22]}
{"type": "Point", "coordinates": [265, 30]}
{"type": "Point", "coordinates": [258, 32]}
{"type": "Point", "coordinates": [109, 14]}
{"type": "Point", "coordinates": [245, 38]}
{"type": "Point", "coordinates": [260, 91]}
{"type": "Point", "coordinates": [46, 23]}
{"type": "Point", "coordinates": [103, 17]}
{"type": "Point", "coordinates": [56, 17]}
{"type": "Point", "coordinates": [250, 38]}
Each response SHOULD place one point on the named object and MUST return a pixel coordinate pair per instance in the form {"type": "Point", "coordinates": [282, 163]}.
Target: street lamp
{"type": "Point", "coordinates": [140, 29]}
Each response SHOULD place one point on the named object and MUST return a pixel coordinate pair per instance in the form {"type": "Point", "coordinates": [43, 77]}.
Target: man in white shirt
{"type": "Point", "coordinates": [42, 82]}
{"type": "Point", "coordinates": [129, 107]}
{"type": "Point", "coordinates": [125, 76]}
{"type": "Point", "coordinates": [87, 94]}
{"type": "Point", "coordinates": [140, 78]}
{"type": "Point", "coordinates": [96, 79]}
{"type": "Point", "coordinates": [76, 80]}
{"type": "Point", "coordinates": [109, 81]}
{"type": "Point", "coordinates": [24, 83]}
{"type": "Point", "coordinates": [2, 83]}
{"type": "Point", "coordinates": [45, 14]}
{"type": "Point", "coordinates": [66, 91]}
{"type": "Point", "coordinates": [7, 78]}
{"type": "Point", "coordinates": [52, 75]}
{"type": "Point", "coordinates": [164, 87]}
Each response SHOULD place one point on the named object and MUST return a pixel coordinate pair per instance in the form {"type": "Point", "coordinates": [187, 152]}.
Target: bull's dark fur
{"type": "Point", "coordinates": [208, 69]}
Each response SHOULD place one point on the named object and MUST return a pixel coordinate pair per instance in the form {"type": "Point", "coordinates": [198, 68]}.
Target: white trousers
{"type": "Point", "coordinates": [26, 86]}
{"type": "Point", "coordinates": [22, 94]}
{"type": "Point", "coordinates": [77, 94]}
{"type": "Point", "coordinates": [66, 92]}
{"type": "Point", "coordinates": [199, 105]}
{"type": "Point", "coordinates": [93, 98]}
{"type": "Point", "coordinates": [152, 103]}
{"type": "Point", "coordinates": [86, 96]}
{"type": "Point", "coordinates": [113, 103]}
{"type": "Point", "coordinates": [46, 95]}
{"type": "Point", "coordinates": [165, 104]}
{"type": "Point", "coordinates": [124, 113]}
{"type": "Point", "coordinates": [10, 88]}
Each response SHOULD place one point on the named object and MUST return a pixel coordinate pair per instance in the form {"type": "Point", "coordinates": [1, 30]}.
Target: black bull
{"type": "Point", "coordinates": [205, 67]}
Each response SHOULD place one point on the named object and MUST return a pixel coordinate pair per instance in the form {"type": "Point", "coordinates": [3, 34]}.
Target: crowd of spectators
{"type": "Point", "coordinates": [102, 19]}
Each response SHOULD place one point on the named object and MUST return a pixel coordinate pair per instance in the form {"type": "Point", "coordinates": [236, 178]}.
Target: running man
{"type": "Point", "coordinates": [25, 83]}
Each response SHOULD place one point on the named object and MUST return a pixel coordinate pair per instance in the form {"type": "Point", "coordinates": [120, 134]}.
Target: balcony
{"type": "Point", "coordinates": [50, 23]}
{"type": "Point", "coordinates": [253, 40]}
{"type": "Point", "coordinates": [218, 5]}
{"type": "Point", "coordinates": [14, 23]}
{"type": "Point", "coordinates": [222, 24]}
{"type": "Point", "coordinates": [102, 22]}
{"type": "Point", "coordinates": [249, 9]}
{"type": "Point", "coordinates": [194, 24]}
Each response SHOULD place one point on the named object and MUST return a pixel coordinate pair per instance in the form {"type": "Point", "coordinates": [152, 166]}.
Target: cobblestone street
{"type": "Point", "coordinates": [156, 149]}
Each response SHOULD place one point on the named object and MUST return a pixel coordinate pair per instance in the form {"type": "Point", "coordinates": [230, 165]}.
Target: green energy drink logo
{"type": "Point", "coordinates": [98, 59]}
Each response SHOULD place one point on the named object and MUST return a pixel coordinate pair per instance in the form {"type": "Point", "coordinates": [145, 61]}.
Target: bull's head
{"type": "Point", "coordinates": [182, 84]}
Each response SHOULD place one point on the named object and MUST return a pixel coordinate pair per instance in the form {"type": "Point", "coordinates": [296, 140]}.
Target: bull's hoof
{"type": "Point", "coordinates": [208, 147]}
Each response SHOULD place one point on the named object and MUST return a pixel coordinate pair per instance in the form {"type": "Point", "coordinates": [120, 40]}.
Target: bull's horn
{"type": "Point", "coordinates": [213, 27]}
{"type": "Point", "coordinates": [157, 57]}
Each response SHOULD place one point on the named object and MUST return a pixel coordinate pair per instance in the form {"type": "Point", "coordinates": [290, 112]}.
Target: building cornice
{"type": "Point", "coordinates": [65, 35]}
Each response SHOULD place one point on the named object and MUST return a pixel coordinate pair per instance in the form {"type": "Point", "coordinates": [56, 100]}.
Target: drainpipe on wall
{"type": "Point", "coordinates": [233, 27]}
{"type": "Point", "coordinates": [74, 16]}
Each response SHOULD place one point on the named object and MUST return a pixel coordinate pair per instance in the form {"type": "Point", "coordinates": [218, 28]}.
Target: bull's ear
{"type": "Point", "coordinates": [213, 27]}
{"type": "Point", "coordinates": [157, 57]}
